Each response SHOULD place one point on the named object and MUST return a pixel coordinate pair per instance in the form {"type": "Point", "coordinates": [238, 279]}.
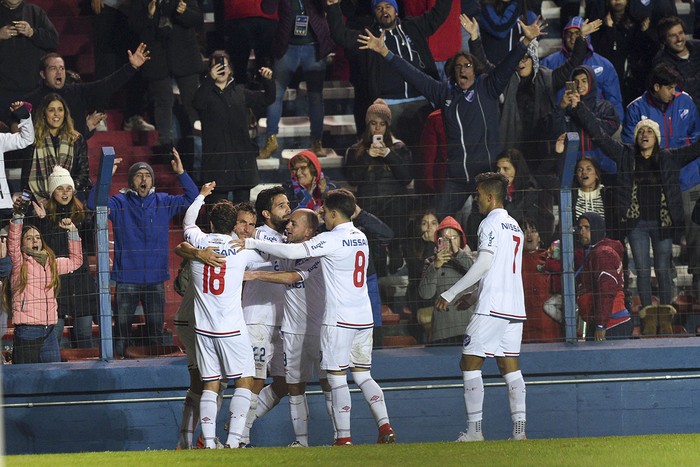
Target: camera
{"type": "Point", "coordinates": [220, 60]}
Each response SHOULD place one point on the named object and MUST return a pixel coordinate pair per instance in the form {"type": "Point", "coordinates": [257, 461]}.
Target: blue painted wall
{"type": "Point", "coordinates": [592, 389]}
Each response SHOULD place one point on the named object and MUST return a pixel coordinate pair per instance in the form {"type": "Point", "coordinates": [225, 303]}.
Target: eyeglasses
{"type": "Point", "coordinates": [459, 66]}
{"type": "Point", "coordinates": [450, 237]}
{"type": "Point", "coordinates": [300, 168]}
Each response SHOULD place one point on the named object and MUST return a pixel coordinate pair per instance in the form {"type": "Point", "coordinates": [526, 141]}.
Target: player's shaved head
{"type": "Point", "coordinates": [309, 216]}
{"type": "Point", "coordinates": [495, 184]}
{"type": "Point", "coordinates": [223, 217]}
{"type": "Point", "coordinates": [340, 200]}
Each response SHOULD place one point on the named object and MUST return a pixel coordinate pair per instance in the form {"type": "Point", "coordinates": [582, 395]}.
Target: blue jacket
{"type": "Point", "coordinates": [679, 126]}
{"type": "Point", "coordinates": [470, 117]}
{"type": "Point", "coordinates": [140, 227]}
{"type": "Point", "coordinates": [608, 82]}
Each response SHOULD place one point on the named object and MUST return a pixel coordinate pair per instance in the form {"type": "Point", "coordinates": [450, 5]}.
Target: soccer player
{"type": "Point", "coordinates": [496, 328]}
{"type": "Point", "coordinates": [184, 322]}
{"type": "Point", "coordinates": [222, 343]}
{"type": "Point", "coordinates": [346, 334]}
{"type": "Point", "coordinates": [301, 323]}
{"type": "Point", "coordinates": [263, 307]}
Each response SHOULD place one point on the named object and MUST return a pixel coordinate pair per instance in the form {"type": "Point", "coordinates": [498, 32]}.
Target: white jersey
{"type": "Point", "coordinates": [304, 300]}
{"type": "Point", "coordinates": [501, 288]}
{"type": "Point", "coordinates": [343, 252]}
{"type": "Point", "coordinates": [263, 302]}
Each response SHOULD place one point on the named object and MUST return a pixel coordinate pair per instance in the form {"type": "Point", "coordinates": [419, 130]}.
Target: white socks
{"type": "Point", "coordinates": [329, 408]}
{"type": "Point", "coordinates": [373, 395]}
{"type": "Point", "coordinates": [207, 417]}
{"type": "Point", "coordinates": [516, 395]}
{"type": "Point", "coordinates": [473, 397]}
{"type": "Point", "coordinates": [250, 418]}
{"type": "Point", "coordinates": [299, 412]}
{"type": "Point", "coordinates": [190, 419]}
{"type": "Point", "coordinates": [342, 403]}
{"type": "Point", "coordinates": [267, 400]}
{"type": "Point", "coordinates": [240, 406]}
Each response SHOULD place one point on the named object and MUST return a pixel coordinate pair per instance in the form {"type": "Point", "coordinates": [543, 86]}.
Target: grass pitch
{"type": "Point", "coordinates": [651, 450]}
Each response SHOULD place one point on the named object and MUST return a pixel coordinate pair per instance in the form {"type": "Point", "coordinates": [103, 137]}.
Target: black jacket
{"type": "Point", "coordinates": [376, 176]}
{"type": "Point", "coordinates": [228, 154]}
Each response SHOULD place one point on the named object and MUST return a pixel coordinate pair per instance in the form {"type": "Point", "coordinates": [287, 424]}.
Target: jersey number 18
{"type": "Point", "coordinates": [214, 282]}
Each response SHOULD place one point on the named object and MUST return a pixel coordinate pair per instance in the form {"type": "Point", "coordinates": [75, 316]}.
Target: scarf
{"type": "Point", "coordinates": [39, 256]}
{"type": "Point", "coordinates": [45, 159]}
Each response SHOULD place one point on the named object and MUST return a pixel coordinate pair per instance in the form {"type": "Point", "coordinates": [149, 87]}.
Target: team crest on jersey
{"type": "Point", "coordinates": [467, 341]}
{"type": "Point", "coordinates": [448, 102]}
{"type": "Point", "coordinates": [598, 70]}
{"type": "Point", "coordinates": [683, 113]}
{"type": "Point", "coordinates": [469, 96]}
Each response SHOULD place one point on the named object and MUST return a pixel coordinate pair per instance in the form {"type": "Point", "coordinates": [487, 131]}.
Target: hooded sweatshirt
{"type": "Point", "coordinates": [564, 120]}
{"type": "Point", "coordinates": [310, 197]}
{"type": "Point", "coordinates": [604, 70]}
{"type": "Point", "coordinates": [601, 278]}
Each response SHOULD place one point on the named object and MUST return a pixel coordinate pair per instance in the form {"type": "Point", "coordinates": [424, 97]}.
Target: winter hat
{"type": "Point", "coordinates": [450, 222]}
{"type": "Point", "coordinates": [597, 224]}
{"type": "Point", "coordinates": [651, 124]}
{"type": "Point", "coordinates": [574, 23]}
{"type": "Point", "coordinates": [58, 177]}
{"type": "Point", "coordinates": [138, 166]}
{"type": "Point", "coordinates": [380, 109]}
{"type": "Point", "coordinates": [390, 2]}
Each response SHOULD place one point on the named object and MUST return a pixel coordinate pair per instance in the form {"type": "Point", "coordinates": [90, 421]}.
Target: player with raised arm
{"type": "Point", "coordinates": [346, 333]}
{"type": "Point", "coordinates": [301, 323]}
{"type": "Point", "coordinates": [496, 328]}
{"type": "Point", "coordinates": [222, 343]}
{"type": "Point", "coordinates": [263, 307]}
{"type": "Point", "coordinates": [184, 323]}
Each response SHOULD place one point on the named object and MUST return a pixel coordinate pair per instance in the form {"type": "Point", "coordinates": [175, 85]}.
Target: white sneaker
{"type": "Point", "coordinates": [296, 444]}
{"type": "Point", "coordinates": [102, 126]}
{"type": "Point", "coordinates": [518, 437]}
{"type": "Point", "coordinates": [137, 123]}
{"type": "Point", "coordinates": [466, 437]}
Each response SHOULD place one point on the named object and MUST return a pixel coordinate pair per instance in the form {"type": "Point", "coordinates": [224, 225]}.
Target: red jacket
{"type": "Point", "coordinates": [447, 40]}
{"type": "Point", "coordinates": [601, 282]}
{"type": "Point", "coordinates": [434, 164]}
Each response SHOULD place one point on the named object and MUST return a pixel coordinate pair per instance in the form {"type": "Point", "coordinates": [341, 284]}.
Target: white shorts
{"type": "Point", "coordinates": [267, 349]}
{"type": "Point", "coordinates": [488, 336]}
{"type": "Point", "coordinates": [187, 337]}
{"type": "Point", "coordinates": [226, 357]}
{"type": "Point", "coordinates": [343, 348]}
{"type": "Point", "coordinates": [302, 357]}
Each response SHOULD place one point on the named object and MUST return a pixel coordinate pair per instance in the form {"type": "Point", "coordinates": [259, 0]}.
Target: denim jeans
{"type": "Point", "coordinates": [81, 333]}
{"type": "Point", "coordinates": [35, 344]}
{"type": "Point", "coordinates": [161, 91]}
{"type": "Point", "coordinates": [639, 239]}
{"type": "Point", "coordinates": [303, 56]}
{"type": "Point", "coordinates": [152, 298]}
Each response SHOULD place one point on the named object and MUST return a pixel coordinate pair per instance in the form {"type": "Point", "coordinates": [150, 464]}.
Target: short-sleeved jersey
{"type": "Point", "coordinates": [343, 252]}
{"type": "Point", "coordinates": [263, 302]}
{"type": "Point", "coordinates": [217, 300]}
{"type": "Point", "coordinates": [501, 288]}
{"type": "Point", "coordinates": [304, 301]}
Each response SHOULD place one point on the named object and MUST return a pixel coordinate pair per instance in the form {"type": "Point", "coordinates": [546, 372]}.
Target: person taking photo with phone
{"type": "Point", "coordinates": [379, 165]}
{"type": "Point", "coordinates": [451, 261]}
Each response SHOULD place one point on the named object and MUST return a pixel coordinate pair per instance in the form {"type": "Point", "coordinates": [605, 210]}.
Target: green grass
{"type": "Point", "coordinates": [653, 450]}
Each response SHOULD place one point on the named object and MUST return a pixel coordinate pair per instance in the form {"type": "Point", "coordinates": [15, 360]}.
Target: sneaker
{"type": "Point", "coordinates": [137, 123]}
{"type": "Point", "coordinates": [518, 437]}
{"type": "Point", "coordinates": [200, 443]}
{"type": "Point", "coordinates": [245, 446]}
{"type": "Point", "coordinates": [386, 435]}
{"type": "Point", "coordinates": [466, 437]}
{"type": "Point", "coordinates": [102, 126]}
{"type": "Point", "coordinates": [271, 147]}
{"type": "Point", "coordinates": [343, 442]}
{"type": "Point", "coordinates": [318, 149]}
{"type": "Point", "coordinates": [296, 444]}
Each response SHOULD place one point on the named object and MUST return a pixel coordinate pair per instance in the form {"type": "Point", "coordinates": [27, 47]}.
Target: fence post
{"type": "Point", "coordinates": [104, 180]}
{"type": "Point", "coordinates": [566, 220]}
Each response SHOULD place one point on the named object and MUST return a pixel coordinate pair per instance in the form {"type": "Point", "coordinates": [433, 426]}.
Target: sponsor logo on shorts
{"type": "Point", "coordinates": [467, 340]}
{"type": "Point", "coordinates": [345, 408]}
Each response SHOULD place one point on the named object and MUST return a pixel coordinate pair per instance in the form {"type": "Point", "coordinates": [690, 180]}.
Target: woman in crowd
{"type": "Point", "coordinates": [379, 165]}
{"type": "Point", "coordinates": [35, 285]}
{"type": "Point", "coordinates": [228, 153]}
{"type": "Point", "coordinates": [419, 248]}
{"type": "Point", "coordinates": [56, 143]}
{"type": "Point", "coordinates": [308, 183]}
{"type": "Point", "coordinates": [77, 298]}
{"type": "Point", "coordinates": [647, 197]}
{"type": "Point", "coordinates": [450, 262]}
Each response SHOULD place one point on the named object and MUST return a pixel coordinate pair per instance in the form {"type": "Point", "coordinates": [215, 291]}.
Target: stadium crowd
{"type": "Point", "coordinates": [444, 90]}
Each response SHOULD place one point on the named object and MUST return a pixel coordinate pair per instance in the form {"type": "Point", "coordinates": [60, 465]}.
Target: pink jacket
{"type": "Point", "coordinates": [36, 305]}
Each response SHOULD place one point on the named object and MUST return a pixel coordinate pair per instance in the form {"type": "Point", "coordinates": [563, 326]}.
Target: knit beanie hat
{"type": "Point", "coordinates": [58, 177]}
{"type": "Point", "coordinates": [138, 166]}
{"type": "Point", "coordinates": [380, 109]}
{"type": "Point", "coordinates": [651, 124]}
{"type": "Point", "coordinates": [390, 2]}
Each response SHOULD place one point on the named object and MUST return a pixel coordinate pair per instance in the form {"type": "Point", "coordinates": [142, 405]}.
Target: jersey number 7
{"type": "Point", "coordinates": [516, 239]}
